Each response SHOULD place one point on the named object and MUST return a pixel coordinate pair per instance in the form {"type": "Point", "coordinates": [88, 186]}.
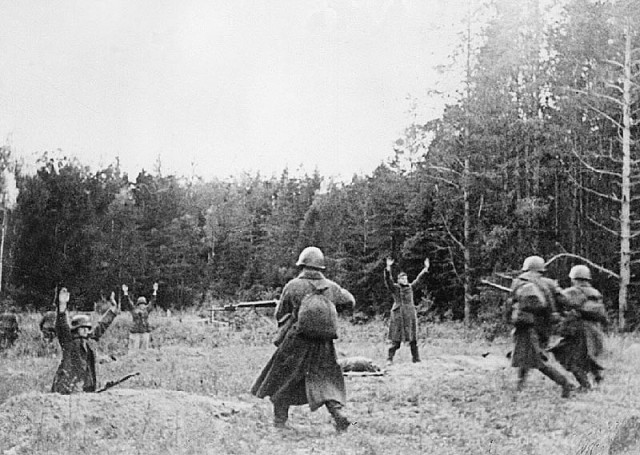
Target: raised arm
{"type": "Point", "coordinates": [127, 302]}
{"type": "Point", "coordinates": [106, 320]}
{"type": "Point", "coordinates": [153, 300]}
{"type": "Point", "coordinates": [388, 281]}
{"type": "Point", "coordinates": [63, 330]}
{"type": "Point", "coordinates": [422, 274]}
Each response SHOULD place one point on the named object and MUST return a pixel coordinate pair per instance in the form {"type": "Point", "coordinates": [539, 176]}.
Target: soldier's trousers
{"type": "Point", "coordinates": [415, 355]}
{"type": "Point", "coordinates": [281, 414]}
{"type": "Point", "coordinates": [549, 371]}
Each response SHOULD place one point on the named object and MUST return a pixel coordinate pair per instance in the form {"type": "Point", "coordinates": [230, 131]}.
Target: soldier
{"type": "Point", "coordinates": [9, 329]}
{"type": "Point", "coordinates": [535, 308]}
{"type": "Point", "coordinates": [582, 338]}
{"type": "Point", "coordinates": [77, 370]}
{"type": "Point", "coordinates": [304, 369]}
{"type": "Point", "coordinates": [140, 332]}
{"type": "Point", "coordinates": [48, 326]}
{"type": "Point", "coordinates": [403, 325]}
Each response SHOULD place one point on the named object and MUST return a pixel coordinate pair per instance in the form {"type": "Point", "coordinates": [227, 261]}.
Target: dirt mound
{"type": "Point", "coordinates": [116, 421]}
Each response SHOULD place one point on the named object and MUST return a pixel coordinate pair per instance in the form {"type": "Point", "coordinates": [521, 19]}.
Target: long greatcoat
{"type": "Point", "coordinates": [531, 340]}
{"type": "Point", "coordinates": [303, 370]}
{"type": "Point", "coordinates": [403, 324]}
{"type": "Point", "coordinates": [582, 338]}
{"type": "Point", "coordinates": [77, 370]}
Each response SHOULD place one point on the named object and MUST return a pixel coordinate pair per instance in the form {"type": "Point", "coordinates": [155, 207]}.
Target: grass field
{"type": "Point", "coordinates": [192, 397]}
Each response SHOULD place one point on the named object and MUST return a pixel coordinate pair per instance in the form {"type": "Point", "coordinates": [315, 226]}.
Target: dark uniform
{"type": "Point", "coordinates": [582, 337]}
{"type": "Point", "coordinates": [140, 332]}
{"type": "Point", "coordinates": [9, 330]}
{"type": "Point", "coordinates": [533, 317]}
{"type": "Point", "coordinates": [77, 371]}
{"type": "Point", "coordinates": [403, 326]}
{"type": "Point", "coordinates": [304, 370]}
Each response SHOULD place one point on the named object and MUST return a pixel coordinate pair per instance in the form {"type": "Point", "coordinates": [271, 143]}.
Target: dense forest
{"type": "Point", "coordinates": [537, 155]}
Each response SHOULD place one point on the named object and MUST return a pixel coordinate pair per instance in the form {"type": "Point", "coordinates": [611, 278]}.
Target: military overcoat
{"type": "Point", "coordinates": [304, 370]}
{"type": "Point", "coordinates": [530, 341]}
{"type": "Point", "coordinates": [403, 324]}
{"type": "Point", "coordinates": [77, 370]}
{"type": "Point", "coordinates": [582, 337]}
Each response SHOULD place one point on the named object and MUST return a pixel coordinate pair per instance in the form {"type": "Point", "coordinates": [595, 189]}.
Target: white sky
{"type": "Point", "coordinates": [228, 85]}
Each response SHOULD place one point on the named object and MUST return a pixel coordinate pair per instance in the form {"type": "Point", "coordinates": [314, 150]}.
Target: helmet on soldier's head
{"type": "Point", "coordinates": [311, 256]}
{"type": "Point", "coordinates": [141, 301]}
{"type": "Point", "coordinates": [580, 272]}
{"type": "Point", "coordinates": [80, 320]}
{"type": "Point", "coordinates": [533, 264]}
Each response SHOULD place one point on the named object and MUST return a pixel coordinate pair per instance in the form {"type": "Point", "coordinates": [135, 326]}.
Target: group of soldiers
{"type": "Point", "coordinates": [539, 307]}
{"type": "Point", "coordinates": [304, 368]}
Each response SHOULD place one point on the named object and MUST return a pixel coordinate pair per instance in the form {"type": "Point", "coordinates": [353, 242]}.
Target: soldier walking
{"type": "Point", "coordinates": [536, 300]}
{"type": "Point", "coordinates": [140, 332]}
{"type": "Point", "coordinates": [403, 325]}
{"type": "Point", "coordinates": [77, 370]}
{"type": "Point", "coordinates": [304, 369]}
{"type": "Point", "coordinates": [582, 338]}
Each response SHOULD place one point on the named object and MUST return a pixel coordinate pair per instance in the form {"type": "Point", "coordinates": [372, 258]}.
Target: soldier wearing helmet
{"type": "Point", "coordinates": [304, 369]}
{"type": "Point", "coordinates": [536, 302]}
{"type": "Point", "coordinates": [77, 370]}
{"type": "Point", "coordinates": [582, 339]}
{"type": "Point", "coordinates": [140, 331]}
{"type": "Point", "coordinates": [403, 322]}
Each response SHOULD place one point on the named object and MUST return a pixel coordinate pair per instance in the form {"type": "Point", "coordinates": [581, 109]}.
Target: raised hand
{"type": "Point", "coordinates": [125, 289]}
{"type": "Point", "coordinates": [389, 263]}
{"type": "Point", "coordinates": [155, 287]}
{"type": "Point", "coordinates": [63, 299]}
{"type": "Point", "coordinates": [426, 263]}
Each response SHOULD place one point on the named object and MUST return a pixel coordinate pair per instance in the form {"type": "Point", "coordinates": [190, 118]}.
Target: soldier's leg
{"type": "Point", "coordinates": [522, 377]}
{"type": "Point", "coordinates": [144, 340]}
{"type": "Point", "coordinates": [415, 355]}
{"type": "Point", "coordinates": [335, 409]}
{"type": "Point", "coordinates": [133, 342]}
{"type": "Point", "coordinates": [581, 376]}
{"type": "Point", "coordinates": [556, 376]}
{"type": "Point", "coordinates": [280, 414]}
{"type": "Point", "coordinates": [395, 345]}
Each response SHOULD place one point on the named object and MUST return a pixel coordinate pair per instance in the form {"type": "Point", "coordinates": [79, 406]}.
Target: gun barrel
{"type": "Point", "coordinates": [496, 285]}
{"type": "Point", "coordinates": [257, 304]}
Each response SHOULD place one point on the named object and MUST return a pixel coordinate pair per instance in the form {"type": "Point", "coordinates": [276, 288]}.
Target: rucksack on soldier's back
{"type": "Point", "coordinates": [529, 300]}
{"type": "Point", "coordinates": [317, 316]}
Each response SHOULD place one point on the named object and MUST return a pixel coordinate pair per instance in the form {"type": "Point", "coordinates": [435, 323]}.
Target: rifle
{"type": "Point", "coordinates": [496, 285]}
{"type": "Point", "coordinates": [255, 304]}
{"type": "Point", "coordinates": [110, 384]}
{"type": "Point", "coordinates": [234, 307]}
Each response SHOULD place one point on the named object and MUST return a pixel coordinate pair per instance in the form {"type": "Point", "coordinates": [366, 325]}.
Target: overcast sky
{"type": "Point", "coordinates": [221, 86]}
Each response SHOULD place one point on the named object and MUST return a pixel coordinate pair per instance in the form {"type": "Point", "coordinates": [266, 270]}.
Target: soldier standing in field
{"type": "Point", "coordinates": [77, 370]}
{"type": "Point", "coordinates": [304, 369]}
{"type": "Point", "coordinates": [582, 338]}
{"type": "Point", "coordinates": [48, 326]}
{"type": "Point", "coordinates": [9, 329]}
{"type": "Point", "coordinates": [140, 332]}
{"type": "Point", "coordinates": [403, 322]}
{"type": "Point", "coordinates": [536, 302]}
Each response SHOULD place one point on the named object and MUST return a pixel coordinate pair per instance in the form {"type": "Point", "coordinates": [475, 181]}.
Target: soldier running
{"type": "Point", "coordinates": [535, 308]}
{"type": "Point", "coordinates": [403, 325]}
{"type": "Point", "coordinates": [77, 370]}
{"type": "Point", "coordinates": [304, 369]}
{"type": "Point", "coordinates": [582, 338]}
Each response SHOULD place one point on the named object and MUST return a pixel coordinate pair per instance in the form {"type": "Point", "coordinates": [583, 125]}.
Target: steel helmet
{"type": "Point", "coordinates": [311, 256]}
{"type": "Point", "coordinates": [580, 272]}
{"type": "Point", "coordinates": [141, 301]}
{"type": "Point", "coordinates": [533, 264]}
{"type": "Point", "coordinates": [80, 320]}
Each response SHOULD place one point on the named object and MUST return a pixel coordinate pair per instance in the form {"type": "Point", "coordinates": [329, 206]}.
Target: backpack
{"type": "Point", "coordinates": [530, 300]}
{"type": "Point", "coordinates": [317, 317]}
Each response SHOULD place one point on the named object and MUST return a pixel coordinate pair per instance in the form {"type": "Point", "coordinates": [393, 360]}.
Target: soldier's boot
{"type": "Point", "coordinates": [415, 355]}
{"type": "Point", "coordinates": [280, 415]}
{"type": "Point", "coordinates": [559, 378]}
{"type": "Point", "coordinates": [522, 378]}
{"type": "Point", "coordinates": [597, 375]}
{"type": "Point", "coordinates": [582, 378]}
{"type": "Point", "coordinates": [392, 351]}
{"type": "Point", "coordinates": [342, 422]}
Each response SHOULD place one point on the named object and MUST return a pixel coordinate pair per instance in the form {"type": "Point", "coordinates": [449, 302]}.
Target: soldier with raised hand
{"type": "Point", "coordinates": [77, 370]}
{"type": "Point", "coordinates": [403, 323]}
{"type": "Point", "coordinates": [582, 338]}
{"type": "Point", "coordinates": [536, 304]}
{"type": "Point", "coordinates": [304, 368]}
{"type": "Point", "coordinates": [140, 332]}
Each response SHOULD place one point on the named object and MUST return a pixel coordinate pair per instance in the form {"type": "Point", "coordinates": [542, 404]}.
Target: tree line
{"type": "Point", "coordinates": [538, 154]}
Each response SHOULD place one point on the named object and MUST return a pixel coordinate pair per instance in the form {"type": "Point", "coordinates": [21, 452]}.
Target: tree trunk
{"type": "Point", "coordinates": [625, 209]}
